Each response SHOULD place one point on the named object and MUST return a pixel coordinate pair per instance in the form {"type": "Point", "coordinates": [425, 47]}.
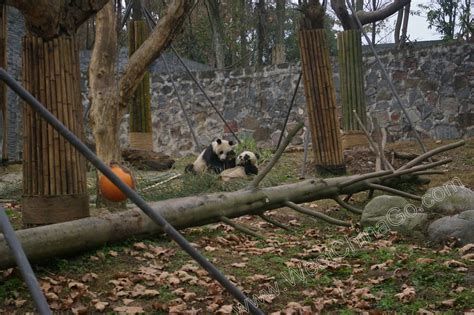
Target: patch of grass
{"type": "Point", "coordinates": [10, 286]}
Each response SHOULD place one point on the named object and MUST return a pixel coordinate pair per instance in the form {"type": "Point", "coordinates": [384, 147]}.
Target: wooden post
{"type": "Point", "coordinates": [140, 135]}
{"type": "Point", "coordinates": [321, 101]}
{"type": "Point", "coordinates": [352, 87]}
{"type": "Point", "coordinates": [3, 87]}
{"type": "Point", "coordinates": [54, 173]}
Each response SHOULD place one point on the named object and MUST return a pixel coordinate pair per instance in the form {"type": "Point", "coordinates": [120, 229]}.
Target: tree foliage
{"type": "Point", "coordinates": [451, 18]}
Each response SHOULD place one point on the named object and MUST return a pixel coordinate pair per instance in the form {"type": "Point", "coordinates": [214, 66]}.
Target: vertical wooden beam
{"type": "Point", "coordinates": [3, 88]}
{"type": "Point", "coordinates": [54, 186]}
{"type": "Point", "coordinates": [321, 101]}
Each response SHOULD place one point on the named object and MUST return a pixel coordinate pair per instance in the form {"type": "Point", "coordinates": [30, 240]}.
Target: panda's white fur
{"type": "Point", "coordinates": [218, 156]}
{"type": "Point", "coordinates": [246, 164]}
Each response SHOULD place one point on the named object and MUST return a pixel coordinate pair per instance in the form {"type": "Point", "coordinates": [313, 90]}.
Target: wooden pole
{"type": "Point", "coordinates": [54, 186]}
{"type": "Point", "coordinates": [3, 87]}
{"type": "Point", "coordinates": [321, 101]}
{"type": "Point", "coordinates": [140, 113]}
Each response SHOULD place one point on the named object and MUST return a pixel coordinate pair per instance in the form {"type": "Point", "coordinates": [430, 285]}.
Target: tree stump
{"type": "Point", "coordinates": [321, 101]}
{"type": "Point", "coordinates": [54, 173]}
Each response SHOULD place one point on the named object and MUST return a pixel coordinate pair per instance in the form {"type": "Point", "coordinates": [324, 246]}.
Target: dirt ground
{"type": "Point", "coordinates": [288, 271]}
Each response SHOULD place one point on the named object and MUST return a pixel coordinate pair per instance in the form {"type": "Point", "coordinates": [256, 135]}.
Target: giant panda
{"type": "Point", "coordinates": [246, 164]}
{"type": "Point", "coordinates": [218, 156]}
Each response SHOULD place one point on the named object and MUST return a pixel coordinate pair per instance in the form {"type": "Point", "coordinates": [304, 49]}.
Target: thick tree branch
{"type": "Point", "coordinates": [162, 35]}
{"type": "Point", "coordinates": [348, 21]}
{"type": "Point", "coordinates": [381, 14]}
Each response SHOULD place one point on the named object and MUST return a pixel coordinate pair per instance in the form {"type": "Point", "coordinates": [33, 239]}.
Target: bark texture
{"type": "Point", "coordinates": [217, 31]}
{"type": "Point", "coordinates": [52, 18]}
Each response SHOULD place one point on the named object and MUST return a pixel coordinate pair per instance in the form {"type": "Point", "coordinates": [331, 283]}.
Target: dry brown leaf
{"type": "Point", "coordinates": [449, 302]}
{"type": "Point", "coordinates": [424, 260]}
{"type": "Point", "coordinates": [129, 309]}
{"type": "Point", "coordinates": [89, 277]}
{"type": "Point", "coordinates": [407, 295]}
{"type": "Point", "coordinates": [454, 263]}
{"type": "Point", "coordinates": [239, 265]}
{"type": "Point", "coordinates": [225, 309]}
{"type": "Point", "coordinates": [19, 303]}
{"type": "Point", "coordinates": [468, 256]}
{"type": "Point", "coordinates": [100, 306]}
{"type": "Point", "coordinates": [422, 311]}
{"type": "Point", "coordinates": [382, 266]}
{"type": "Point", "coordinates": [113, 253]}
{"type": "Point", "coordinates": [140, 245]}
{"type": "Point", "coordinates": [466, 248]}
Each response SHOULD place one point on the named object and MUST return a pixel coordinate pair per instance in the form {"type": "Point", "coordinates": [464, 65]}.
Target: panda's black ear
{"type": "Point", "coordinates": [257, 156]}
{"type": "Point", "coordinates": [231, 142]}
{"type": "Point", "coordinates": [219, 141]}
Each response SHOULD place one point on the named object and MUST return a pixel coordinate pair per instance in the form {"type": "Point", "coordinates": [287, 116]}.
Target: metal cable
{"type": "Point", "coordinates": [385, 74]}
{"type": "Point", "coordinates": [23, 263]}
{"type": "Point", "coordinates": [148, 16]}
{"type": "Point", "coordinates": [155, 216]}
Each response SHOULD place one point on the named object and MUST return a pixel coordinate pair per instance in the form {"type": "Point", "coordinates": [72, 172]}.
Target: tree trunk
{"type": "Point", "coordinates": [140, 135]}
{"type": "Point", "coordinates": [54, 173]}
{"type": "Point", "coordinates": [261, 17]}
{"type": "Point", "coordinates": [398, 27]}
{"type": "Point", "coordinates": [278, 53]}
{"type": "Point", "coordinates": [243, 32]}
{"type": "Point", "coordinates": [73, 237]}
{"type": "Point", "coordinates": [352, 79]}
{"type": "Point", "coordinates": [3, 87]}
{"type": "Point", "coordinates": [406, 15]}
{"type": "Point", "coordinates": [217, 32]}
{"type": "Point", "coordinates": [105, 114]}
{"type": "Point", "coordinates": [321, 101]}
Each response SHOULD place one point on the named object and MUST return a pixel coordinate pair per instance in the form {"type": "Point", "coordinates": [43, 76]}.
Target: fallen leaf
{"type": "Point", "coordinates": [140, 245]}
{"type": "Point", "coordinates": [468, 256]}
{"type": "Point", "coordinates": [454, 263]}
{"type": "Point", "coordinates": [466, 248]}
{"type": "Point", "coordinates": [407, 294]}
{"type": "Point", "coordinates": [100, 306]}
{"type": "Point", "coordinates": [449, 302]}
{"type": "Point", "coordinates": [424, 260]}
{"type": "Point", "coordinates": [225, 309]}
{"type": "Point", "coordinates": [129, 309]}
{"type": "Point", "coordinates": [239, 265]}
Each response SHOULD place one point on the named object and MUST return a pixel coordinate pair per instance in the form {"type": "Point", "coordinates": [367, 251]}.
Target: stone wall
{"type": "Point", "coordinates": [435, 84]}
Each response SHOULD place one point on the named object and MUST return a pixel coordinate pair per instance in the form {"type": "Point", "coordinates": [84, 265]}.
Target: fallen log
{"type": "Point", "coordinates": [73, 237]}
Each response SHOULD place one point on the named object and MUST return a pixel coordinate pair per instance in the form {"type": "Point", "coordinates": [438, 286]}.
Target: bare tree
{"type": "Point", "coordinates": [261, 36]}
{"type": "Point", "coordinates": [278, 52]}
{"type": "Point", "coordinates": [217, 31]}
{"type": "Point", "coordinates": [109, 97]}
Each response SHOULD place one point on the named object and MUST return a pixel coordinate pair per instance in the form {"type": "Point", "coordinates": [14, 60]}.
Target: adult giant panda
{"type": "Point", "coordinates": [218, 156]}
{"type": "Point", "coordinates": [246, 165]}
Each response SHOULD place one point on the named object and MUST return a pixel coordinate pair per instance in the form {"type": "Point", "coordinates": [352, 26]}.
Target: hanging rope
{"type": "Point", "coordinates": [385, 74]}
{"type": "Point", "coordinates": [180, 101]}
{"type": "Point", "coordinates": [152, 21]}
{"type": "Point", "coordinates": [289, 110]}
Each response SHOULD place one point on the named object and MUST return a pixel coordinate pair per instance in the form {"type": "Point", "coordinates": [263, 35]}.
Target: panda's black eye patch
{"type": "Point", "coordinates": [222, 152]}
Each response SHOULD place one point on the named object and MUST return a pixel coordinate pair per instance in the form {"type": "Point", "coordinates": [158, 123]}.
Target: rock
{"type": "Point", "coordinates": [396, 213]}
{"type": "Point", "coordinates": [460, 226]}
{"type": "Point", "coordinates": [448, 200]}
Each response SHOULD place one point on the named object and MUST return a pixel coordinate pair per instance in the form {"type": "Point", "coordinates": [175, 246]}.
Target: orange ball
{"type": "Point", "coordinates": [109, 190]}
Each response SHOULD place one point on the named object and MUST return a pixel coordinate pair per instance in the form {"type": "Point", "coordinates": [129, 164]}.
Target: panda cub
{"type": "Point", "coordinates": [218, 156]}
{"type": "Point", "coordinates": [246, 165]}
{"type": "Point", "coordinates": [248, 160]}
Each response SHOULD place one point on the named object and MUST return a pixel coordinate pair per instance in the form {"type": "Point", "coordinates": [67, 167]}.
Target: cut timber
{"type": "Point", "coordinates": [321, 101]}
{"type": "Point", "coordinates": [54, 186]}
